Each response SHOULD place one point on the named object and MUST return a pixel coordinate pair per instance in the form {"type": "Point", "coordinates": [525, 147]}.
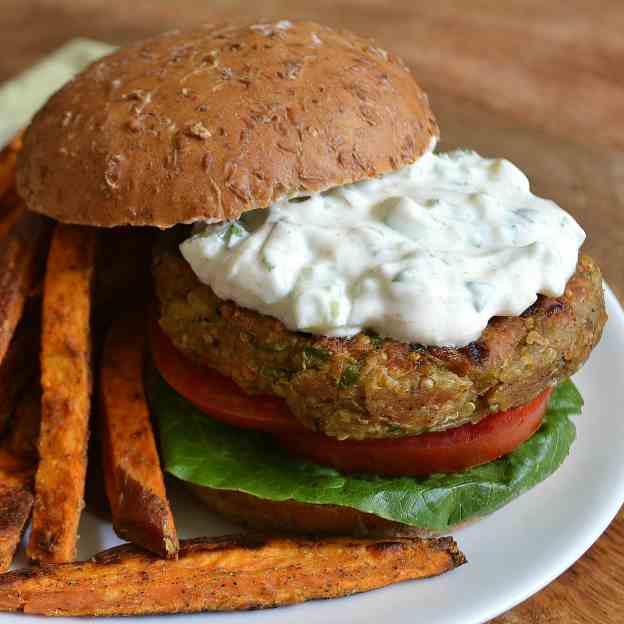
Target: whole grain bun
{"type": "Point", "coordinates": [209, 123]}
{"type": "Point", "coordinates": [293, 517]}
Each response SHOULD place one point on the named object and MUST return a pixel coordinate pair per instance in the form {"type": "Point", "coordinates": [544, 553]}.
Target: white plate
{"type": "Point", "coordinates": [512, 554]}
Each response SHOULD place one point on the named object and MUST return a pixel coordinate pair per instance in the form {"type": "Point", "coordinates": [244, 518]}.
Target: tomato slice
{"type": "Point", "coordinates": [217, 395]}
{"type": "Point", "coordinates": [443, 451]}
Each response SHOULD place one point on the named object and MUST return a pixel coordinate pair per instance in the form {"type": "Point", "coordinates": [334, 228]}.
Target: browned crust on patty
{"type": "Point", "coordinates": [209, 123]}
{"type": "Point", "coordinates": [368, 387]}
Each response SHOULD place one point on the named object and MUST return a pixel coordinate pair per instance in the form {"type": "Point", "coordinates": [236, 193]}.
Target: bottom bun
{"type": "Point", "coordinates": [295, 517]}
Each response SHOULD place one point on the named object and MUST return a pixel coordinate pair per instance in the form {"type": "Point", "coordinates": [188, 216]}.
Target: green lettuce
{"type": "Point", "coordinates": [205, 452]}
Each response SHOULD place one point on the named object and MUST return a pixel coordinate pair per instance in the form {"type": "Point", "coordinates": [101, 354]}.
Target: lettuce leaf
{"type": "Point", "coordinates": [205, 452]}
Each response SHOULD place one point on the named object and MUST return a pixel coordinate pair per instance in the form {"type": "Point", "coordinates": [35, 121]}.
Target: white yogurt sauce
{"type": "Point", "coordinates": [427, 254]}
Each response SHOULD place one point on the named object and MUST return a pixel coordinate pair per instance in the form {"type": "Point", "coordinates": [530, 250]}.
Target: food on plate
{"type": "Point", "coordinates": [354, 334]}
{"type": "Point", "coordinates": [16, 501]}
{"type": "Point", "coordinates": [134, 480]}
{"type": "Point", "coordinates": [20, 252]}
{"type": "Point", "coordinates": [223, 574]}
{"type": "Point", "coordinates": [22, 437]}
{"type": "Point", "coordinates": [66, 398]}
{"type": "Point", "coordinates": [17, 369]}
{"type": "Point", "coordinates": [22, 242]}
{"type": "Point", "coordinates": [18, 460]}
{"type": "Point", "coordinates": [11, 209]}
{"type": "Point", "coordinates": [8, 158]}
{"type": "Point", "coordinates": [377, 310]}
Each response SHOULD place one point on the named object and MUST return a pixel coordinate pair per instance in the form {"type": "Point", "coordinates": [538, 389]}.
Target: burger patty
{"type": "Point", "coordinates": [368, 386]}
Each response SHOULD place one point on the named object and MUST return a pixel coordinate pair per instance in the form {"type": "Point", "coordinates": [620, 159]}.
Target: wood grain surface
{"type": "Point", "coordinates": [541, 83]}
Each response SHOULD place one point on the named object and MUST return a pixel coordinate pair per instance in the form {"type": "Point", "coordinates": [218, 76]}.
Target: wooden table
{"type": "Point", "coordinates": [541, 83]}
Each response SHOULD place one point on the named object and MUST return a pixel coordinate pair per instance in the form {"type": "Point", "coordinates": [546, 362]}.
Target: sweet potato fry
{"type": "Point", "coordinates": [21, 440]}
{"type": "Point", "coordinates": [224, 574]}
{"type": "Point", "coordinates": [20, 252]}
{"type": "Point", "coordinates": [8, 158]}
{"type": "Point", "coordinates": [17, 468]}
{"type": "Point", "coordinates": [134, 480]}
{"type": "Point", "coordinates": [17, 369]}
{"type": "Point", "coordinates": [16, 501]}
{"type": "Point", "coordinates": [66, 399]}
{"type": "Point", "coordinates": [11, 209]}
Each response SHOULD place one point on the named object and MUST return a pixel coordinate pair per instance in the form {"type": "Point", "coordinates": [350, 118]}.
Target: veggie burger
{"type": "Point", "coordinates": [353, 333]}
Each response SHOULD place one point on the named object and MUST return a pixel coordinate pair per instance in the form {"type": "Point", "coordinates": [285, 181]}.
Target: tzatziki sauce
{"type": "Point", "coordinates": [427, 254]}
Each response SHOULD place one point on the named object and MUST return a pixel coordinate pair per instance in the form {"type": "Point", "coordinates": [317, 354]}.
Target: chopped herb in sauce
{"type": "Point", "coordinates": [376, 340]}
{"type": "Point", "coordinates": [314, 357]}
{"type": "Point", "coordinates": [349, 377]}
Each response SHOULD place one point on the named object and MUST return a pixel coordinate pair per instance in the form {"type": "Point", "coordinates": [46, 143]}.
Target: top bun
{"type": "Point", "coordinates": [210, 123]}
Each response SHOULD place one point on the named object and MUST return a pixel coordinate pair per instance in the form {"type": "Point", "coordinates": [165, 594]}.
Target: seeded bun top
{"type": "Point", "coordinates": [209, 123]}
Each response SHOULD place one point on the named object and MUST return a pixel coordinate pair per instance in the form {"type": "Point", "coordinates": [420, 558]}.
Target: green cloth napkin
{"type": "Point", "coordinates": [21, 97]}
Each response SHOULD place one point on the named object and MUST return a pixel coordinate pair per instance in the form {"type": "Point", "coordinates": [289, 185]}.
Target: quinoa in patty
{"type": "Point", "coordinates": [368, 386]}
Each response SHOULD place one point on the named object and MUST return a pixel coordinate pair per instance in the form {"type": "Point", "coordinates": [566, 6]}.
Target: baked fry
{"type": "Point", "coordinates": [20, 253]}
{"type": "Point", "coordinates": [21, 441]}
{"type": "Point", "coordinates": [66, 398]}
{"type": "Point", "coordinates": [17, 467]}
{"type": "Point", "coordinates": [134, 480]}
{"type": "Point", "coordinates": [224, 574]}
{"type": "Point", "coordinates": [8, 158]}
{"type": "Point", "coordinates": [16, 501]}
{"type": "Point", "coordinates": [17, 369]}
{"type": "Point", "coordinates": [11, 209]}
